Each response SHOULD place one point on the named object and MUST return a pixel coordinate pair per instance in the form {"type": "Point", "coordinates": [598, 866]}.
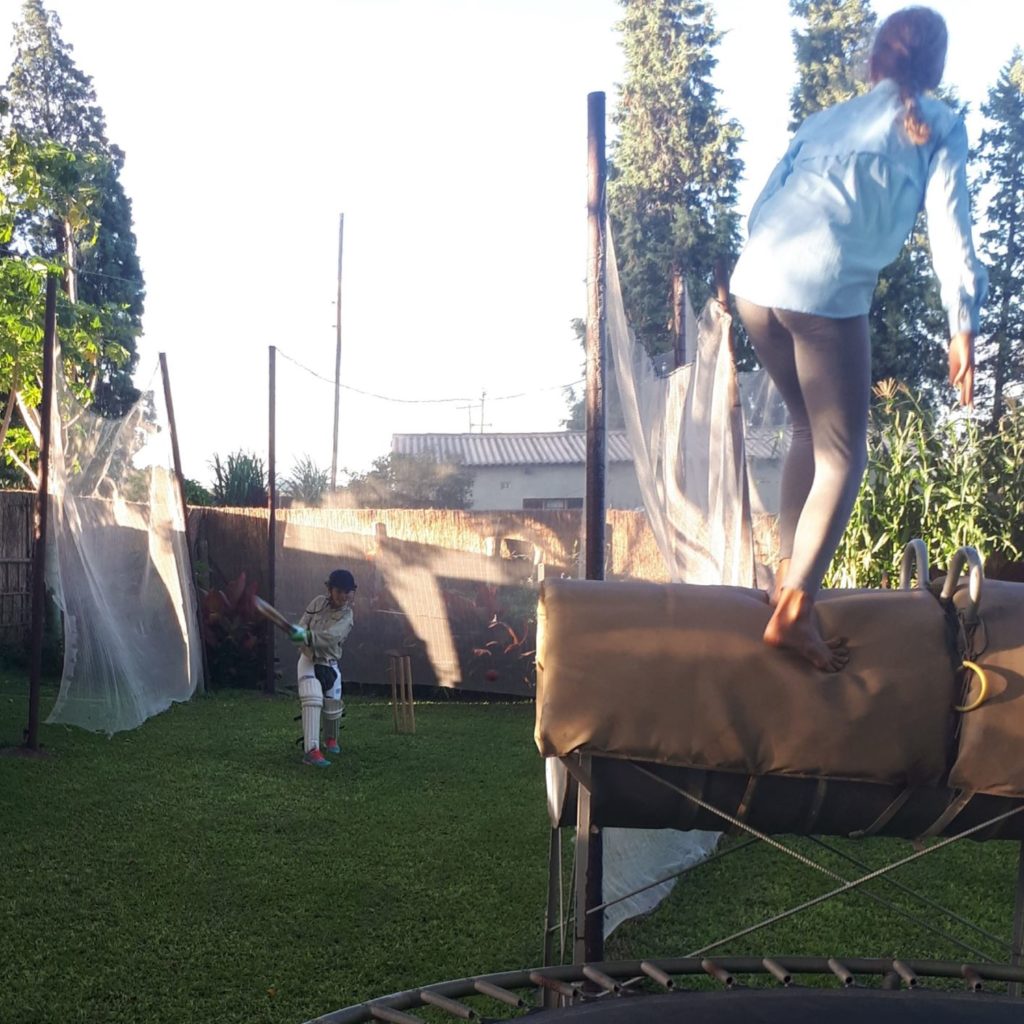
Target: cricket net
{"type": "Point", "coordinates": [118, 565]}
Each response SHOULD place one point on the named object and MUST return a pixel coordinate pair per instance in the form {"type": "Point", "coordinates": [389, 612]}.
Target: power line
{"type": "Point", "coordinates": [424, 401]}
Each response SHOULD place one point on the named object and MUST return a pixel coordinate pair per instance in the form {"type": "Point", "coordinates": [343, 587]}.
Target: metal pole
{"type": "Point", "coordinates": [337, 358]}
{"type": "Point", "coordinates": [591, 925]}
{"type": "Point", "coordinates": [180, 480]}
{"type": "Point", "coordinates": [1018, 923]}
{"type": "Point", "coordinates": [269, 684]}
{"type": "Point", "coordinates": [42, 515]}
{"type": "Point", "coordinates": [597, 339]}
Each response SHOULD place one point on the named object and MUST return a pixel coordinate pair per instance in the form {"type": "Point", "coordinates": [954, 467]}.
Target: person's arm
{"type": "Point", "coordinates": [301, 634]}
{"type": "Point", "coordinates": [326, 643]}
{"type": "Point", "coordinates": [962, 278]}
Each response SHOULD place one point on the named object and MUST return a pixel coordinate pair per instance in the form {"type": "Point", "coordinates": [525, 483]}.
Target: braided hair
{"type": "Point", "coordinates": [910, 48]}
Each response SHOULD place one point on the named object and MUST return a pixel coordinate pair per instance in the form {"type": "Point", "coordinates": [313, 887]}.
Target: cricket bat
{"type": "Point", "coordinates": [268, 611]}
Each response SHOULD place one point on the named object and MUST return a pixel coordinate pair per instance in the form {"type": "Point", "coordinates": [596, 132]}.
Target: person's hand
{"type": "Point", "coordinates": [299, 635]}
{"type": "Point", "coordinates": [961, 366]}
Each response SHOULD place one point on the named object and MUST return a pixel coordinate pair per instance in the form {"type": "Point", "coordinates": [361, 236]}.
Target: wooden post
{"type": "Point", "coordinates": [337, 358]}
{"type": "Point", "coordinates": [270, 685]}
{"type": "Point", "coordinates": [42, 515]}
{"type": "Point", "coordinates": [590, 927]}
{"type": "Point", "coordinates": [180, 480]}
{"type": "Point", "coordinates": [410, 707]}
{"type": "Point", "coordinates": [399, 674]}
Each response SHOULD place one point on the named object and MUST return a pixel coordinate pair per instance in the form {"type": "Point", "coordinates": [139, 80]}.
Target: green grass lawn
{"type": "Point", "coordinates": [194, 870]}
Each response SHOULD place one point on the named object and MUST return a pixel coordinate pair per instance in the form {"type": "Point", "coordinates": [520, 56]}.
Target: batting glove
{"type": "Point", "coordinates": [299, 635]}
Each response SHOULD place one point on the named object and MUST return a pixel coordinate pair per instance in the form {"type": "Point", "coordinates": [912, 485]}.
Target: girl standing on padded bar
{"type": "Point", "coordinates": [835, 211]}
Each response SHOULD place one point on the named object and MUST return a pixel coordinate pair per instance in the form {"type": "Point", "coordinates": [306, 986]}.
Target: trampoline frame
{"type": "Point", "coordinates": [588, 909]}
{"type": "Point", "coordinates": [567, 985]}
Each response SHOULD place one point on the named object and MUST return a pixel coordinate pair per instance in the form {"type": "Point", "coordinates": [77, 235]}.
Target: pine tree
{"type": "Point", "coordinates": [1002, 244]}
{"type": "Point", "coordinates": [674, 170]}
{"type": "Point", "coordinates": [51, 101]}
{"type": "Point", "coordinates": [831, 54]}
{"type": "Point", "coordinates": [908, 327]}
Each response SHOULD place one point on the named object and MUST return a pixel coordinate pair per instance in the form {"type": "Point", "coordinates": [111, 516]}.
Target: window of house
{"type": "Point", "coordinates": [531, 504]}
{"type": "Point", "coordinates": [505, 485]}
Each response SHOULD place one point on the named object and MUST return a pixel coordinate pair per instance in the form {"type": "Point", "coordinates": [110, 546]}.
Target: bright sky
{"type": "Point", "coordinates": [452, 135]}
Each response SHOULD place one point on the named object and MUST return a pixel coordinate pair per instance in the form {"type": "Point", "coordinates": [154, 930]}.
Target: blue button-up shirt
{"type": "Point", "coordinates": [842, 201]}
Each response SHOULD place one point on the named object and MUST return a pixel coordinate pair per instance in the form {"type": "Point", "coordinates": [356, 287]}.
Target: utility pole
{"type": "Point", "coordinates": [471, 407]}
{"type": "Point", "coordinates": [337, 357]}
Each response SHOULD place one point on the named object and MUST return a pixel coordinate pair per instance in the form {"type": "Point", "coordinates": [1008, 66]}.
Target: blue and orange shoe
{"type": "Point", "coordinates": [331, 746]}
{"type": "Point", "coordinates": [315, 758]}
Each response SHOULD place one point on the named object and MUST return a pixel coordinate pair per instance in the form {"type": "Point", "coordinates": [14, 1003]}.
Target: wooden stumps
{"type": "Point", "coordinates": [400, 677]}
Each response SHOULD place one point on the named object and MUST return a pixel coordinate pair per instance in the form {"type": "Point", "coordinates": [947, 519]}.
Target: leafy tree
{"type": "Point", "coordinates": [411, 481]}
{"type": "Point", "coordinates": [196, 493]}
{"type": "Point", "coordinates": [1002, 245]}
{"type": "Point", "coordinates": [83, 218]}
{"type": "Point", "coordinates": [307, 483]}
{"type": "Point", "coordinates": [34, 178]}
{"type": "Point", "coordinates": [908, 326]}
{"type": "Point", "coordinates": [674, 170]}
{"type": "Point", "coordinates": [240, 481]}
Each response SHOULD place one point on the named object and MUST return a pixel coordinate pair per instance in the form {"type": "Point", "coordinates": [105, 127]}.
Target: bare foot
{"type": "Point", "coordinates": [794, 626]}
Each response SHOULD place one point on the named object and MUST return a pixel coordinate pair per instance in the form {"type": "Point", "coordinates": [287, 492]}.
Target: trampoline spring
{"type": "Point", "coordinates": [841, 972]}
{"type": "Point", "coordinates": [777, 971]}
{"type": "Point", "coordinates": [602, 979]}
{"type": "Point", "coordinates": [972, 978]}
{"type": "Point", "coordinates": [561, 987]}
{"type": "Point", "coordinates": [657, 974]}
{"type": "Point", "coordinates": [485, 988]}
{"type": "Point", "coordinates": [718, 973]}
{"type": "Point", "coordinates": [379, 1012]}
{"type": "Point", "coordinates": [449, 1005]}
{"type": "Point", "coordinates": [908, 976]}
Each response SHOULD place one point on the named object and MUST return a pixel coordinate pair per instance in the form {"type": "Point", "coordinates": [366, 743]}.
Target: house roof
{"type": "Point", "coordinates": [562, 447]}
{"type": "Point", "coordinates": [555, 448]}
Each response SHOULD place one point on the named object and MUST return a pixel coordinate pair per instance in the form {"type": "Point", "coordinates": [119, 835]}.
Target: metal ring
{"type": "Point", "coordinates": [976, 574]}
{"type": "Point", "coordinates": [917, 549]}
{"type": "Point", "coordinates": [982, 691]}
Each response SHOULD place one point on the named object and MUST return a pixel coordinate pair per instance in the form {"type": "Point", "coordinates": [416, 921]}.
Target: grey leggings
{"type": "Point", "coordinates": [822, 368]}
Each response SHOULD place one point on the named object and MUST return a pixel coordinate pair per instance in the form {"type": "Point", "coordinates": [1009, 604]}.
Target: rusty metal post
{"type": "Point", "coordinates": [180, 479]}
{"type": "Point", "coordinates": [269, 683]}
{"type": "Point", "coordinates": [42, 515]}
{"type": "Point", "coordinates": [590, 927]}
{"type": "Point", "coordinates": [337, 358]}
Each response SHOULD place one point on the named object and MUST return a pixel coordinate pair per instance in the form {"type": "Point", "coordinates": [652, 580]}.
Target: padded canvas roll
{"type": "Point", "coordinates": [678, 675]}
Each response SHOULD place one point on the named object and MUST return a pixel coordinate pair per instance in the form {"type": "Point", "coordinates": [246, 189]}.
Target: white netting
{"type": "Point", "coordinates": [686, 430]}
{"type": "Point", "coordinates": [119, 566]}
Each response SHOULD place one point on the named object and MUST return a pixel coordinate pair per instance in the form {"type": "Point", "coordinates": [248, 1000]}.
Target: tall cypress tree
{"type": "Point", "coordinates": [1002, 243]}
{"type": "Point", "coordinates": [832, 50]}
{"type": "Point", "coordinates": [908, 327]}
{"type": "Point", "coordinates": [674, 173]}
{"type": "Point", "coordinates": [52, 101]}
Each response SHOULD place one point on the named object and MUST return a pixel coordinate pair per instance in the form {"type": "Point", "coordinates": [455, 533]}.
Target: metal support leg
{"type": "Point", "coordinates": [553, 914]}
{"type": "Point", "coordinates": [588, 929]}
{"type": "Point", "coordinates": [1018, 924]}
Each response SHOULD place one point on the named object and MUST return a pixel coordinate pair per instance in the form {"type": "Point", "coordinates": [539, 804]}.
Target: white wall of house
{"type": "Point", "coordinates": [505, 487]}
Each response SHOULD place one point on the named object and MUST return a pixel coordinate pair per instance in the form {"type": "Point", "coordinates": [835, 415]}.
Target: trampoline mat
{"type": "Point", "coordinates": [795, 1006]}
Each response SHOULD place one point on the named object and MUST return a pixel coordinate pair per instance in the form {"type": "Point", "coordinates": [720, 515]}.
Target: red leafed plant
{"type": "Point", "coordinates": [234, 634]}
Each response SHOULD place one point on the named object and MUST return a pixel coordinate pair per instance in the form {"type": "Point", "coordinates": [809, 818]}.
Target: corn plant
{"type": "Point", "coordinates": [945, 479]}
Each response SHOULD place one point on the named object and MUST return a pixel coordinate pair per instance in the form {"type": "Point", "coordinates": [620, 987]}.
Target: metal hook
{"type": "Point", "coordinates": [976, 574]}
{"type": "Point", "coordinates": [917, 549]}
{"type": "Point", "coordinates": [982, 688]}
